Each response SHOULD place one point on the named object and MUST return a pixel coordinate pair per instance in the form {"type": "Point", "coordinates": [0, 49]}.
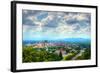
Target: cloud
{"type": "Point", "coordinates": [46, 24]}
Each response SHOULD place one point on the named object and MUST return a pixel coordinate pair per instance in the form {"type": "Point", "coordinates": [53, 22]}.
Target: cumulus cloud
{"type": "Point", "coordinates": [56, 24]}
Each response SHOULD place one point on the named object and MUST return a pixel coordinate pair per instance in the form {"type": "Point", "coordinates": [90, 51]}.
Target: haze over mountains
{"type": "Point", "coordinates": [73, 40]}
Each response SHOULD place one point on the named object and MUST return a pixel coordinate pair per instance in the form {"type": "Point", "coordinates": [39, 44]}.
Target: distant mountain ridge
{"type": "Point", "coordinates": [60, 40]}
{"type": "Point", "coordinates": [76, 39]}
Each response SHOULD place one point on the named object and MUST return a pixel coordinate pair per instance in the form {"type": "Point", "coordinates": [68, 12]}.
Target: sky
{"type": "Point", "coordinates": [51, 25]}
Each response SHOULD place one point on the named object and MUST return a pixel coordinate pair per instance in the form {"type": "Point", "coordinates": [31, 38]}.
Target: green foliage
{"type": "Point", "coordinates": [80, 58]}
{"type": "Point", "coordinates": [69, 56]}
{"type": "Point", "coordinates": [60, 55]}
{"type": "Point", "coordinates": [34, 55]}
{"type": "Point", "coordinates": [85, 55]}
{"type": "Point", "coordinates": [67, 50]}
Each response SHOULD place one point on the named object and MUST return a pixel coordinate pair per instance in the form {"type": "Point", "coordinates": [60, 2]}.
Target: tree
{"type": "Point", "coordinates": [60, 55]}
{"type": "Point", "coordinates": [34, 55]}
{"type": "Point", "coordinates": [87, 54]}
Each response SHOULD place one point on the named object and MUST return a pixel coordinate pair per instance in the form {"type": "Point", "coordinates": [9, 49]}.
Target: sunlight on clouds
{"type": "Point", "coordinates": [32, 18]}
{"type": "Point", "coordinates": [65, 29]}
{"type": "Point", "coordinates": [81, 17]}
{"type": "Point", "coordinates": [56, 25]}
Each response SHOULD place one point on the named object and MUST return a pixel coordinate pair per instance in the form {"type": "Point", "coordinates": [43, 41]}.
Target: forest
{"type": "Point", "coordinates": [45, 52]}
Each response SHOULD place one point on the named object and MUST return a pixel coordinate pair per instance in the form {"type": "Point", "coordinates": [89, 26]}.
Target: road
{"type": "Point", "coordinates": [79, 54]}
